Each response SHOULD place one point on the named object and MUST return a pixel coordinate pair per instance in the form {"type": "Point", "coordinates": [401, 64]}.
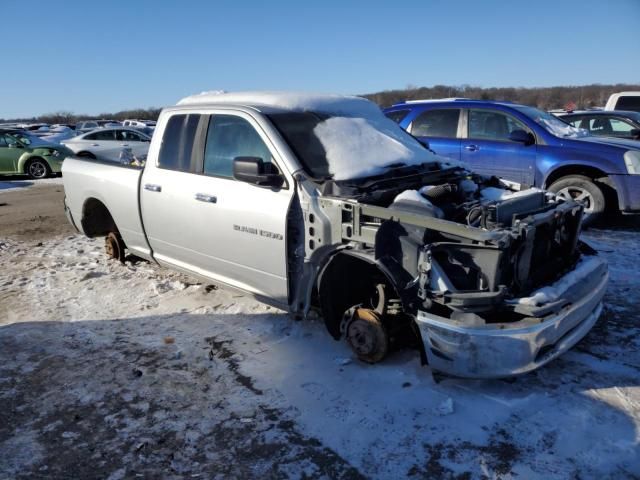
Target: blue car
{"type": "Point", "coordinates": [529, 146]}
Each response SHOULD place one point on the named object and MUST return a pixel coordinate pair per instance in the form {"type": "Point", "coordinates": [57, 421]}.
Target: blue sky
{"type": "Point", "coordinates": [91, 57]}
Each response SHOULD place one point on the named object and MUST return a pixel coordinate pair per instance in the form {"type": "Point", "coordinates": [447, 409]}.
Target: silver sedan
{"type": "Point", "coordinates": [110, 144]}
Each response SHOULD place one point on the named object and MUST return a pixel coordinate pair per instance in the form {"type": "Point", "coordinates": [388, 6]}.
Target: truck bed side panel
{"type": "Point", "coordinates": [116, 187]}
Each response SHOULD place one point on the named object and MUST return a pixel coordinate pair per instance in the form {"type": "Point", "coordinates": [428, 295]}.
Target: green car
{"type": "Point", "coordinates": [18, 155]}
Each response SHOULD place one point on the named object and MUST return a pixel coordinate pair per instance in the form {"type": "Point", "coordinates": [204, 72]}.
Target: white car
{"type": "Point", "coordinates": [109, 143]}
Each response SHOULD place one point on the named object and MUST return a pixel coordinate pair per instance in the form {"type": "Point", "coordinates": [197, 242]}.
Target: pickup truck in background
{"type": "Point", "coordinates": [320, 202]}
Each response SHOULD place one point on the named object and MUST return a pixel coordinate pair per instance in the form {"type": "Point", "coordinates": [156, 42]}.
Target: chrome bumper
{"type": "Point", "coordinates": [506, 349]}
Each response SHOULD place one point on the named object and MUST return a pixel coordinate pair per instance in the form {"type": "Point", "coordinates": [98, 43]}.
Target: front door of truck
{"type": "Point", "coordinates": [488, 149]}
{"type": "Point", "coordinates": [198, 217]}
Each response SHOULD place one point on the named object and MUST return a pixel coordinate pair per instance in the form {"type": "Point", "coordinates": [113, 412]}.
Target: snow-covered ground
{"type": "Point", "coordinates": [118, 371]}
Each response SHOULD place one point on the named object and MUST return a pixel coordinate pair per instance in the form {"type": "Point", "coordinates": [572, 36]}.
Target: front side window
{"type": "Point", "coordinates": [620, 127]}
{"type": "Point", "coordinates": [229, 137]}
{"type": "Point", "coordinates": [177, 149]}
{"type": "Point", "coordinates": [491, 125]}
{"type": "Point", "coordinates": [436, 123]}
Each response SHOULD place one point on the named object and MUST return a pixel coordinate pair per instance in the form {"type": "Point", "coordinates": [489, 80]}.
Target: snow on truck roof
{"type": "Point", "coordinates": [359, 140]}
{"type": "Point", "coordinates": [295, 101]}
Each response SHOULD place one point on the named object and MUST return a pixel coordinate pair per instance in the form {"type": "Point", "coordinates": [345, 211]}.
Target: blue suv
{"type": "Point", "coordinates": [529, 146]}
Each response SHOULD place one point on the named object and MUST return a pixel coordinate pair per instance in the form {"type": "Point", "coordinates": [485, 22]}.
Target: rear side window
{"type": "Point", "coordinates": [101, 135]}
{"type": "Point", "coordinates": [436, 123]}
{"type": "Point", "coordinates": [628, 103]}
{"type": "Point", "coordinates": [128, 136]}
{"type": "Point", "coordinates": [177, 149]}
{"type": "Point", "coordinates": [229, 137]}
{"type": "Point", "coordinates": [397, 115]}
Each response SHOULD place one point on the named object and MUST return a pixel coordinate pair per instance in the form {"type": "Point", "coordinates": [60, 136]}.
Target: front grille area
{"type": "Point", "coordinates": [548, 249]}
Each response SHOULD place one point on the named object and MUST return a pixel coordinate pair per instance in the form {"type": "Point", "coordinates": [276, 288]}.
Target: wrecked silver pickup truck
{"type": "Point", "coordinates": [320, 202]}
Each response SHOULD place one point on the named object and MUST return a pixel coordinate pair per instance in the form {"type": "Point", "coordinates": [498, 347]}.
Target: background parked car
{"type": "Point", "coordinates": [37, 161]}
{"type": "Point", "coordinates": [529, 146]}
{"type": "Point", "coordinates": [139, 123]}
{"type": "Point", "coordinates": [27, 138]}
{"type": "Point", "coordinates": [624, 101]}
{"type": "Point", "coordinates": [108, 143]}
{"type": "Point", "coordinates": [86, 126]}
{"type": "Point", "coordinates": [616, 123]}
{"type": "Point", "coordinates": [58, 134]}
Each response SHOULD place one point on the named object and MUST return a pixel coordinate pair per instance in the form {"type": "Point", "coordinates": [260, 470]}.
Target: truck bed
{"type": "Point", "coordinates": [92, 183]}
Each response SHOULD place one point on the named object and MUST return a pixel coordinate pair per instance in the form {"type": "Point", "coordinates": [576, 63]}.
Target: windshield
{"type": "Point", "coordinates": [551, 123]}
{"type": "Point", "coordinates": [344, 148]}
{"type": "Point", "coordinates": [28, 139]}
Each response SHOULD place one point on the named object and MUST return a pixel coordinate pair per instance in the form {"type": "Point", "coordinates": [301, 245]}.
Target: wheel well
{"type": "Point", "coordinates": [598, 176]}
{"type": "Point", "coordinates": [96, 219]}
{"type": "Point", "coordinates": [344, 282]}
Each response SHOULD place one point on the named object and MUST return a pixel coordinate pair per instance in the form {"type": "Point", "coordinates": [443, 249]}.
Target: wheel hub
{"type": "Point", "coordinates": [37, 169]}
{"type": "Point", "coordinates": [367, 336]}
{"type": "Point", "coordinates": [114, 247]}
{"type": "Point", "coordinates": [579, 195]}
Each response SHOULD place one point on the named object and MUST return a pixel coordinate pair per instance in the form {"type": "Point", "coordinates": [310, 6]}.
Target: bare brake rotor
{"type": "Point", "coordinates": [367, 336]}
{"type": "Point", "coordinates": [114, 247]}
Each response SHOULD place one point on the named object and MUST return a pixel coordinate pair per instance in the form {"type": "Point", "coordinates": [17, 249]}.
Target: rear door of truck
{"type": "Point", "coordinates": [199, 218]}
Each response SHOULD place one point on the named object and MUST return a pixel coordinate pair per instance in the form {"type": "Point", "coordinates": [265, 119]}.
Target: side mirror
{"type": "Point", "coordinates": [255, 171]}
{"type": "Point", "coordinates": [521, 136]}
{"type": "Point", "coordinates": [15, 145]}
{"type": "Point", "coordinates": [635, 133]}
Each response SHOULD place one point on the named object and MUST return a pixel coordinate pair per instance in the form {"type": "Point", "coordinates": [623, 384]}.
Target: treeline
{"type": "Point", "coordinates": [70, 117]}
{"type": "Point", "coordinates": [546, 98]}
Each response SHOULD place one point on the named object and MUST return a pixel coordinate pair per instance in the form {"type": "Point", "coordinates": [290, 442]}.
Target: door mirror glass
{"type": "Point", "coordinates": [521, 136]}
{"type": "Point", "coordinates": [635, 133]}
{"type": "Point", "coordinates": [255, 171]}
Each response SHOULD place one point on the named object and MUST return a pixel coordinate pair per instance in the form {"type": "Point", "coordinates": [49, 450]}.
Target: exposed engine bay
{"type": "Point", "coordinates": [456, 263]}
{"type": "Point", "coordinates": [461, 242]}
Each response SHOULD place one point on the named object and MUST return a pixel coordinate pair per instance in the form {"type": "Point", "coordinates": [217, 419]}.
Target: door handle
{"type": "Point", "coordinates": [203, 197]}
{"type": "Point", "coordinates": [95, 144]}
{"type": "Point", "coordinates": [472, 148]}
{"type": "Point", "coordinates": [152, 188]}
{"type": "Point", "coordinates": [124, 144]}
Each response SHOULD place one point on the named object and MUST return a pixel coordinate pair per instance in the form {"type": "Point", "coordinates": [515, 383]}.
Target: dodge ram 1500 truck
{"type": "Point", "coordinates": [320, 202]}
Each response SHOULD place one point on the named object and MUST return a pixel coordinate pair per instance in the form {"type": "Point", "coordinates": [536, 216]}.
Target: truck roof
{"type": "Point", "coordinates": [288, 101]}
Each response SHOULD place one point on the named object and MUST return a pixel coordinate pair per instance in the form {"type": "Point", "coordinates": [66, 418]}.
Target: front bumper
{"type": "Point", "coordinates": [506, 349]}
